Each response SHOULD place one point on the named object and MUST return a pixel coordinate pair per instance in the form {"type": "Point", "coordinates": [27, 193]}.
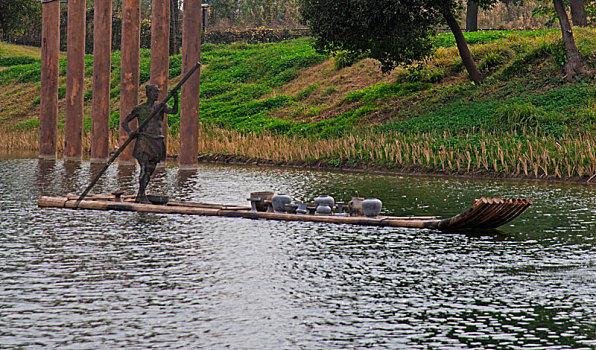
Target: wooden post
{"type": "Point", "coordinates": [189, 112]}
{"type": "Point", "coordinates": [75, 74]}
{"type": "Point", "coordinates": [102, 48]}
{"type": "Point", "coordinates": [129, 77]}
{"type": "Point", "coordinates": [160, 48]}
{"type": "Point", "coordinates": [50, 48]}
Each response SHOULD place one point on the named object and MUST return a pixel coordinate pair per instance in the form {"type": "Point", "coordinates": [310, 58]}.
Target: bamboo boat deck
{"type": "Point", "coordinates": [485, 212]}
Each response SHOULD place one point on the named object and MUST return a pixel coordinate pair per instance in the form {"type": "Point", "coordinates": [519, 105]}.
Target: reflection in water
{"type": "Point", "coordinates": [186, 181]}
{"type": "Point", "coordinates": [105, 279]}
{"type": "Point", "coordinates": [45, 168]}
{"type": "Point", "coordinates": [127, 177]}
{"type": "Point", "coordinates": [71, 174]}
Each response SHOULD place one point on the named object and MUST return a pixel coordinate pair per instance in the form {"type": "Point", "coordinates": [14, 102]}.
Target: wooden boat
{"type": "Point", "coordinates": [485, 213]}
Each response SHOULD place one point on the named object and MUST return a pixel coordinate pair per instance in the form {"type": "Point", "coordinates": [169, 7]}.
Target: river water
{"type": "Point", "coordinates": [96, 279]}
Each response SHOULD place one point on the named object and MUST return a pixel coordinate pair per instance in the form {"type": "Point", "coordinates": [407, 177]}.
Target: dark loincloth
{"type": "Point", "coordinates": [150, 147]}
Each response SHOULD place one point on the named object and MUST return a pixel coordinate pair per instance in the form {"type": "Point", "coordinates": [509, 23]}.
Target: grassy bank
{"type": "Point", "coordinates": [285, 103]}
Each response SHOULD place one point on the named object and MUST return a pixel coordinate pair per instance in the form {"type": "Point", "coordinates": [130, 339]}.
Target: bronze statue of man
{"type": "Point", "coordinates": [150, 148]}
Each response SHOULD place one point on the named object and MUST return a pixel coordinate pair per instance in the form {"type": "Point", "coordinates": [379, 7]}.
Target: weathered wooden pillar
{"type": "Point", "coordinates": [129, 75]}
{"type": "Point", "coordinates": [50, 48]}
{"type": "Point", "coordinates": [160, 49]}
{"type": "Point", "coordinates": [75, 75]}
{"type": "Point", "coordinates": [189, 113]}
{"type": "Point", "coordinates": [102, 48]}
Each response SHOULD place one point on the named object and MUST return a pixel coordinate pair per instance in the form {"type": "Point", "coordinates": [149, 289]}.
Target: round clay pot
{"type": "Point", "coordinates": [323, 209]}
{"type": "Point", "coordinates": [371, 207]}
{"type": "Point", "coordinates": [279, 201]}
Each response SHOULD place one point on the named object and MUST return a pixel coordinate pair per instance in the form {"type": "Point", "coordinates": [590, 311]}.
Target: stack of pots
{"type": "Point", "coordinates": [324, 205]}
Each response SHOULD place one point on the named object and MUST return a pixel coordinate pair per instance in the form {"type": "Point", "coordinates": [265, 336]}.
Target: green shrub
{"type": "Point", "coordinates": [61, 91]}
{"type": "Point", "coordinates": [114, 120]}
{"type": "Point", "coordinates": [29, 124]}
{"type": "Point", "coordinates": [330, 90]}
{"type": "Point", "coordinates": [344, 59]}
{"type": "Point", "coordinates": [17, 61]}
{"type": "Point", "coordinates": [88, 65]}
{"type": "Point", "coordinates": [21, 74]}
{"type": "Point", "coordinates": [304, 94]}
{"type": "Point", "coordinates": [429, 74]}
{"type": "Point", "coordinates": [516, 116]}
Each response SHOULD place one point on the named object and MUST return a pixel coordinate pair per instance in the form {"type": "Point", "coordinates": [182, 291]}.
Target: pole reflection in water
{"type": "Point", "coordinates": [127, 178]}
{"type": "Point", "coordinates": [44, 175]}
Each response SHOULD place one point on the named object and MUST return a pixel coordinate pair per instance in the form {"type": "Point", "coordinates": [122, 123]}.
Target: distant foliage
{"type": "Point", "coordinates": [253, 36]}
{"type": "Point", "coordinates": [226, 14]}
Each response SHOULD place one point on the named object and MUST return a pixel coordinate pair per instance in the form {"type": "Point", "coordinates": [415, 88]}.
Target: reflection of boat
{"type": "Point", "coordinates": [485, 213]}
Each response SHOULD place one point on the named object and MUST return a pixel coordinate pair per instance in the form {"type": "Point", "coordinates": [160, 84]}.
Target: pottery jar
{"type": "Point", "coordinates": [279, 201]}
{"type": "Point", "coordinates": [371, 207]}
{"type": "Point", "coordinates": [323, 209]}
{"type": "Point", "coordinates": [325, 200]}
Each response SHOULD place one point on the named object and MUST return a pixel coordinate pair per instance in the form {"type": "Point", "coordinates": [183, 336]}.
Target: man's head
{"type": "Point", "coordinates": [152, 92]}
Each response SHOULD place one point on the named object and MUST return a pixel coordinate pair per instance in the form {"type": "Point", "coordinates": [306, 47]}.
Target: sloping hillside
{"type": "Point", "coordinates": [288, 88]}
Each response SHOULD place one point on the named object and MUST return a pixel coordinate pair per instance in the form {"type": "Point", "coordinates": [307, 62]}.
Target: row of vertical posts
{"type": "Point", "coordinates": [129, 79]}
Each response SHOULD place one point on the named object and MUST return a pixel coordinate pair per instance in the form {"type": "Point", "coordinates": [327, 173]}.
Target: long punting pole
{"type": "Point", "coordinates": [155, 112]}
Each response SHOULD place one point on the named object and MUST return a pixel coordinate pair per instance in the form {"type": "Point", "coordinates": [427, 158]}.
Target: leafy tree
{"type": "Point", "coordinates": [575, 65]}
{"type": "Point", "coordinates": [16, 16]}
{"type": "Point", "coordinates": [391, 31]}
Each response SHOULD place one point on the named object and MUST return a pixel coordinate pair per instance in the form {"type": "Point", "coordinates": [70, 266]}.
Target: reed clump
{"type": "Point", "coordinates": [511, 154]}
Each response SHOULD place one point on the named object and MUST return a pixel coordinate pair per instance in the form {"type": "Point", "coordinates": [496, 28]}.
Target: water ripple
{"type": "Point", "coordinates": [85, 279]}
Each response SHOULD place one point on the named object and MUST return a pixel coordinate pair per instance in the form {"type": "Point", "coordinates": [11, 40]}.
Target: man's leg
{"type": "Point", "coordinates": [147, 169]}
{"type": "Point", "coordinates": [143, 181]}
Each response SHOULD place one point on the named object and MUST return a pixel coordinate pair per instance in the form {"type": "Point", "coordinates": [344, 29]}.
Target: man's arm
{"type": "Point", "coordinates": [174, 109]}
{"type": "Point", "coordinates": [128, 119]}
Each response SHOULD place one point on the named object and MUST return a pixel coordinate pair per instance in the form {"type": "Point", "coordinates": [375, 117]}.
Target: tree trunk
{"type": "Point", "coordinates": [462, 46]}
{"type": "Point", "coordinates": [578, 13]}
{"type": "Point", "coordinates": [575, 65]}
{"type": "Point", "coordinates": [472, 17]}
{"type": "Point", "coordinates": [174, 27]}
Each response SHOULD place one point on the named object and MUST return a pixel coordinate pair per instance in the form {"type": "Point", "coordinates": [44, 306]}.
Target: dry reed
{"type": "Point", "coordinates": [534, 156]}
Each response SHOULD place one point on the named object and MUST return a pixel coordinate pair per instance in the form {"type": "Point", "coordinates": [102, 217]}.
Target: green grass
{"type": "Point", "coordinates": [237, 77]}
{"type": "Point", "coordinates": [483, 37]}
